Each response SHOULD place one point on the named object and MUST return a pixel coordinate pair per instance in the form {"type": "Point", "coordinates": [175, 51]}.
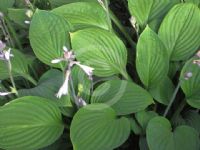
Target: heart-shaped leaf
{"type": "Point", "coordinates": [83, 14]}
{"type": "Point", "coordinates": [29, 123]}
{"type": "Point", "coordinates": [152, 60]}
{"type": "Point", "coordinates": [146, 12]}
{"type": "Point", "coordinates": [100, 49]}
{"type": "Point", "coordinates": [180, 31]}
{"type": "Point", "coordinates": [19, 66]}
{"type": "Point", "coordinates": [161, 137]}
{"type": "Point", "coordinates": [94, 125]}
{"type": "Point", "coordinates": [191, 86]}
{"type": "Point", "coordinates": [123, 96]}
{"type": "Point", "coordinates": [48, 34]}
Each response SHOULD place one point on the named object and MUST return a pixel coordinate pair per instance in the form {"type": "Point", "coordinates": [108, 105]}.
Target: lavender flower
{"type": "Point", "coordinates": [81, 102]}
{"type": "Point", "coordinates": [4, 55]}
{"type": "Point", "coordinates": [188, 75]}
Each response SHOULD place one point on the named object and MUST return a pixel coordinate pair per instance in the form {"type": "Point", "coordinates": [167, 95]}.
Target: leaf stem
{"type": "Point", "coordinates": [12, 30]}
{"type": "Point", "coordinates": [109, 22]}
{"type": "Point", "coordinates": [122, 29]}
{"type": "Point", "coordinates": [172, 99]}
{"type": "Point", "coordinates": [126, 76]}
{"type": "Point", "coordinates": [11, 77]}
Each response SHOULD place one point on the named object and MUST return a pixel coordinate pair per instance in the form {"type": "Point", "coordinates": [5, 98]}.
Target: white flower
{"type": "Point", "coordinates": [27, 22]}
{"type": "Point", "coordinates": [55, 61]}
{"type": "Point", "coordinates": [64, 88]}
{"type": "Point", "coordinates": [8, 54]}
{"type": "Point", "coordinates": [88, 70]}
{"type": "Point", "coordinates": [81, 102]}
{"type": "Point", "coordinates": [5, 93]}
{"type": "Point", "coordinates": [5, 55]}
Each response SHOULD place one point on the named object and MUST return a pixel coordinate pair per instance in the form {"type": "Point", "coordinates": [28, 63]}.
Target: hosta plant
{"type": "Point", "coordinates": [99, 74]}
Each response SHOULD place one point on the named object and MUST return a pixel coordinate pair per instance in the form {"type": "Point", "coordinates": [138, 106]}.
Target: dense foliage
{"type": "Point", "coordinates": [99, 74]}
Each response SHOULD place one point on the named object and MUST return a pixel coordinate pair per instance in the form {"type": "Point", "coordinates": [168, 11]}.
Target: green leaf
{"type": "Point", "coordinates": [190, 118]}
{"type": "Point", "coordinates": [146, 12]}
{"type": "Point", "coordinates": [152, 60]}
{"type": "Point", "coordinates": [83, 14]}
{"type": "Point", "coordinates": [100, 49]}
{"type": "Point", "coordinates": [18, 16]}
{"type": "Point", "coordinates": [191, 86]}
{"type": "Point", "coordinates": [144, 117]}
{"type": "Point", "coordinates": [97, 127]}
{"type": "Point", "coordinates": [197, 2]}
{"type": "Point", "coordinates": [5, 4]}
{"type": "Point", "coordinates": [135, 127]}
{"type": "Point", "coordinates": [48, 34]}
{"type": "Point", "coordinates": [123, 96]}
{"type": "Point", "coordinates": [19, 66]}
{"type": "Point", "coordinates": [161, 137]}
{"type": "Point", "coordinates": [163, 91]}
{"type": "Point", "coordinates": [29, 123]}
{"type": "Point", "coordinates": [180, 31]}
{"type": "Point", "coordinates": [56, 3]}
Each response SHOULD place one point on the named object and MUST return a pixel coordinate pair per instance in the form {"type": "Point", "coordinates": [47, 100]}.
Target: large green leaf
{"type": "Point", "coordinates": [48, 34]}
{"type": "Point", "coordinates": [29, 123]}
{"type": "Point", "coordinates": [97, 127]}
{"type": "Point", "coordinates": [19, 66]}
{"type": "Point", "coordinates": [147, 11]}
{"type": "Point", "coordinates": [180, 31]}
{"type": "Point", "coordinates": [152, 60]}
{"type": "Point", "coordinates": [83, 14]}
{"type": "Point", "coordinates": [163, 91]}
{"type": "Point", "coordinates": [5, 4]}
{"type": "Point", "coordinates": [123, 96]}
{"type": "Point", "coordinates": [191, 86]}
{"type": "Point", "coordinates": [100, 49]}
{"type": "Point", "coordinates": [161, 137]}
